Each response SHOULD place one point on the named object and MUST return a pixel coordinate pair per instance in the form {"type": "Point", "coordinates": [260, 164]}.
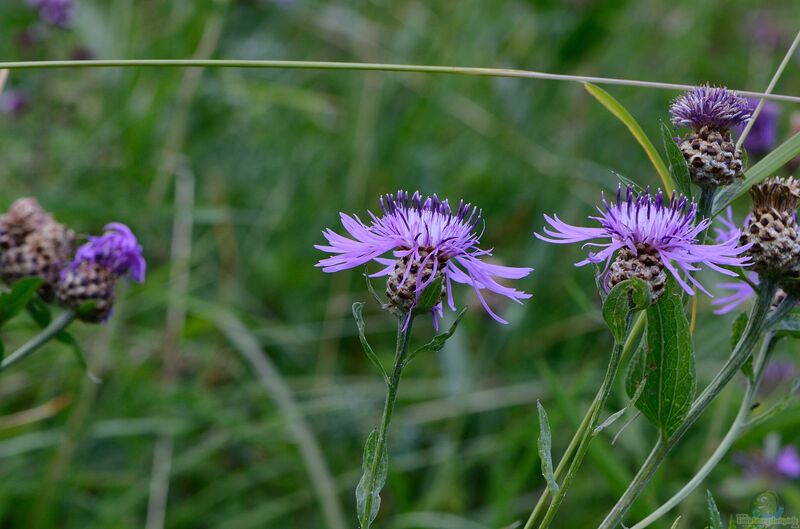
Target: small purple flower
{"type": "Point", "coordinates": [13, 103]}
{"type": "Point", "coordinates": [707, 106]}
{"type": "Point", "coordinates": [764, 465]}
{"type": "Point", "coordinates": [425, 232]}
{"type": "Point", "coordinates": [642, 222]}
{"type": "Point", "coordinates": [764, 133]}
{"type": "Point", "coordinates": [777, 373]}
{"type": "Point", "coordinates": [116, 250]}
{"type": "Point", "coordinates": [54, 12]}
{"type": "Point", "coordinates": [740, 291]}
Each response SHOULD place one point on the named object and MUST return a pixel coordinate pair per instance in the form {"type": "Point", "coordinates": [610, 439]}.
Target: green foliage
{"type": "Point", "coordinates": [713, 512]}
{"type": "Point", "coordinates": [438, 341]}
{"type": "Point", "coordinates": [623, 300]}
{"type": "Point", "coordinates": [666, 360]}
{"type": "Point", "coordinates": [678, 168]}
{"type": "Point", "coordinates": [358, 308]}
{"type": "Point", "coordinates": [545, 447]}
{"type": "Point", "coordinates": [362, 489]}
{"type": "Point", "coordinates": [430, 296]}
{"type": "Point", "coordinates": [15, 301]}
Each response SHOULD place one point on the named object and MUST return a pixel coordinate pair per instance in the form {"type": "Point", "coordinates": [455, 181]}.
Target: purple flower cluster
{"type": "Point", "coordinates": [116, 250]}
{"type": "Point", "coordinates": [13, 103]}
{"type": "Point", "coordinates": [763, 134]}
{"type": "Point", "coordinates": [54, 12]}
{"type": "Point", "coordinates": [783, 464]}
{"type": "Point", "coordinates": [707, 106]}
{"type": "Point", "coordinates": [641, 220]}
{"type": "Point", "coordinates": [424, 231]}
{"type": "Point", "coordinates": [740, 291]}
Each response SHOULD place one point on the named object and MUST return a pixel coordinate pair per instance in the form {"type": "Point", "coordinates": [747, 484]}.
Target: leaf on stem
{"type": "Point", "coordinates": [677, 163]}
{"type": "Point", "coordinates": [358, 307]}
{"type": "Point", "coordinates": [22, 292]}
{"type": "Point", "coordinates": [616, 415]}
{"type": "Point", "coordinates": [544, 445]}
{"type": "Point", "coordinates": [666, 360]}
{"type": "Point", "coordinates": [713, 512]}
{"type": "Point", "coordinates": [623, 300]}
{"type": "Point", "coordinates": [438, 341]}
{"type": "Point", "coordinates": [430, 297]}
{"type": "Point", "coordinates": [381, 470]}
{"type": "Point", "coordinates": [789, 326]}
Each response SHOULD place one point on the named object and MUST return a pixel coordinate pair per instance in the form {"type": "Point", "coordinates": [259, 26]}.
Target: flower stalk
{"type": "Point", "coordinates": [47, 334]}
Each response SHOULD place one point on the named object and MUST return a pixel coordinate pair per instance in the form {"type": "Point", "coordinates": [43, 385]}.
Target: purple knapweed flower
{"type": "Point", "coordinates": [740, 291]}
{"type": "Point", "coordinates": [763, 134]}
{"type": "Point", "coordinates": [428, 240]}
{"type": "Point", "coordinates": [13, 103]}
{"type": "Point", "coordinates": [54, 12]}
{"type": "Point", "coordinates": [117, 250]}
{"type": "Point", "coordinates": [639, 225]}
{"type": "Point", "coordinates": [777, 373]}
{"type": "Point", "coordinates": [708, 106]}
{"type": "Point", "coordinates": [763, 465]}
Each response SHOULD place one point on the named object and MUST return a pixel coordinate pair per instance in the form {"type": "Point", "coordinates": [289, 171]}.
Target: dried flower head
{"type": "Point", "coordinates": [708, 106]}
{"type": "Point", "coordinates": [651, 235]}
{"type": "Point", "coordinates": [24, 216]}
{"type": "Point", "coordinates": [98, 264]}
{"type": "Point", "coordinates": [771, 230]}
{"type": "Point", "coordinates": [427, 240]}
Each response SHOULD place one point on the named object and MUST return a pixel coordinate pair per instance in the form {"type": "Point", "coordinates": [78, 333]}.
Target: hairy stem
{"type": "Point", "coordinates": [47, 334]}
{"type": "Point", "coordinates": [741, 352]}
{"type": "Point", "coordinates": [400, 357]}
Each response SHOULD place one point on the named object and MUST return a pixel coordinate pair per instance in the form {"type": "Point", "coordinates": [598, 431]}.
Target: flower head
{"type": "Point", "coordinates": [764, 132]}
{"type": "Point", "coordinates": [772, 462]}
{"type": "Point", "coordinates": [428, 240]}
{"type": "Point", "coordinates": [647, 225]}
{"type": "Point", "coordinates": [708, 106]}
{"type": "Point", "coordinates": [54, 12]}
{"type": "Point", "coordinates": [740, 291]}
{"type": "Point", "coordinates": [117, 250]}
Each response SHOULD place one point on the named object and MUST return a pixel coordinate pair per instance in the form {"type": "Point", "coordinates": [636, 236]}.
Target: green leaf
{"type": "Point", "coordinates": [678, 168]}
{"type": "Point", "coordinates": [544, 445]}
{"type": "Point", "coordinates": [358, 307]}
{"type": "Point", "coordinates": [624, 299]}
{"type": "Point", "coordinates": [438, 341]}
{"type": "Point", "coordinates": [621, 113]}
{"type": "Point", "coordinates": [370, 453]}
{"type": "Point", "coordinates": [765, 168]}
{"type": "Point", "coordinates": [666, 359]}
{"type": "Point", "coordinates": [40, 312]}
{"type": "Point", "coordinates": [616, 415]}
{"type": "Point", "coordinates": [67, 339]}
{"type": "Point", "coordinates": [736, 334]}
{"type": "Point", "coordinates": [22, 292]}
{"type": "Point", "coordinates": [789, 326]}
{"type": "Point", "coordinates": [430, 296]}
{"type": "Point", "coordinates": [713, 512]}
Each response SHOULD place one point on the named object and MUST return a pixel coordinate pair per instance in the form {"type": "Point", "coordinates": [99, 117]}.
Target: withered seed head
{"type": "Point", "coordinates": [712, 158]}
{"type": "Point", "coordinates": [24, 216]}
{"type": "Point", "coordinates": [645, 264]}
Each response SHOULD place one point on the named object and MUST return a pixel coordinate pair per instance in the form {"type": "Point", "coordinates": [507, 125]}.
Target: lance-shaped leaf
{"type": "Point", "coordinates": [438, 341]}
{"type": "Point", "coordinates": [545, 447]}
{"type": "Point", "coordinates": [677, 163]}
{"type": "Point", "coordinates": [713, 512]}
{"type": "Point", "coordinates": [430, 296]}
{"type": "Point", "coordinates": [22, 292]}
{"type": "Point", "coordinates": [363, 492]}
{"type": "Point", "coordinates": [358, 307]}
{"type": "Point", "coordinates": [666, 359]}
{"type": "Point", "coordinates": [623, 300]}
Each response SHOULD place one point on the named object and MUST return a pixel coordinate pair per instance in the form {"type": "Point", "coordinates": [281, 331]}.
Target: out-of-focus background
{"type": "Point", "coordinates": [228, 177]}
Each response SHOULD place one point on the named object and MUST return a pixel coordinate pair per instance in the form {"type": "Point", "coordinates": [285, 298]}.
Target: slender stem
{"type": "Point", "coordinates": [771, 86]}
{"type": "Point", "coordinates": [400, 357]}
{"type": "Point", "coordinates": [706, 202]}
{"type": "Point", "coordinates": [630, 342]}
{"type": "Point", "coordinates": [741, 352]}
{"type": "Point", "coordinates": [739, 425]}
{"type": "Point", "coordinates": [362, 66]}
{"type": "Point", "coordinates": [602, 396]}
{"type": "Point", "coordinates": [44, 336]}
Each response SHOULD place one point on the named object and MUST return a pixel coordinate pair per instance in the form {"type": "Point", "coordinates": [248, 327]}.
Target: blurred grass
{"type": "Point", "coordinates": [275, 156]}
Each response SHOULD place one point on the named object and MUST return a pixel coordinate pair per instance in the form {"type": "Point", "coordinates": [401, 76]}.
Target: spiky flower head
{"type": "Point", "coordinates": [771, 230]}
{"type": "Point", "coordinates": [709, 106]}
{"type": "Point", "coordinates": [648, 233]}
{"type": "Point", "coordinates": [427, 240]}
{"type": "Point", "coordinates": [98, 264]}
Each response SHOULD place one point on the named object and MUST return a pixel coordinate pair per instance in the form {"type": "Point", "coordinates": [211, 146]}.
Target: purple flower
{"type": "Point", "coordinates": [116, 250]}
{"type": "Point", "coordinates": [740, 291]}
{"type": "Point", "coordinates": [13, 103]}
{"type": "Point", "coordinates": [641, 222]}
{"type": "Point", "coordinates": [708, 106]}
{"type": "Point", "coordinates": [425, 232]}
{"type": "Point", "coordinates": [764, 132]}
{"type": "Point", "coordinates": [776, 374]}
{"type": "Point", "coordinates": [764, 465]}
{"type": "Point", "coordinates": [54, 12]}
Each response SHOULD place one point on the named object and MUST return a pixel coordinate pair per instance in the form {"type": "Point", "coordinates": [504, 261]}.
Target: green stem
{"type": "Point", "coordinates": [360, 66]}
{"type": "Point", "coordinates": [630, 343]}
{"type": "Point", "coordinates": [400, 357]}
{"type": "Point", "coordinates": [706, 203]}
{"type": "Point", "coordinates": [47, 334]}
{"type": "Point", "coordinates": [751, 335]}
{"type": "Point", "coordinates": [583, 447]}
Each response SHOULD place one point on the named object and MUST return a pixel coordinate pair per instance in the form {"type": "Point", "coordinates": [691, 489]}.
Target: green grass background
{"type": "Point", "coordinates": [229, 176]}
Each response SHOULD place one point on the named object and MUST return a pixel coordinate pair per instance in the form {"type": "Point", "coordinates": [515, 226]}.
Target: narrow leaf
{"type": "Point", "coordinates": [678, 168]}
{"type": "Point", "coordinates": [713, 512]}
{"type": "Point", "coordinates": [736, 334]}
{"type": "Point", "coordinates": [40, 312]}
{"type": "Point", "coordinates": [358, 307]}
{"type": "Point", "coordinates": [545, 450]}
{"type": "Point", "coordinates": [438, 341]}
{"type": "Point", "coordinates": [675, 523]}
{"type": "Point", "coordinates": [624, 299]}
{"type": "Point", "coordinates": [621, 113]}
{"type": "Point", "coordinates": [789, 326]}
{"type": "Point", "coordinates": [667, 362]}
{"type": "Point", "coordinates": [69, 340]}
{"type": "Point", "coordinates": [22, 292]}
{"type": "Point", "coordinates": [430, 296]}
{"type": "Point", "coordinates": [362, 492]}
{"type": "Point", "coordinates": [765, 168]}
{"type": "Point", "coordinates": [616, 415]}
